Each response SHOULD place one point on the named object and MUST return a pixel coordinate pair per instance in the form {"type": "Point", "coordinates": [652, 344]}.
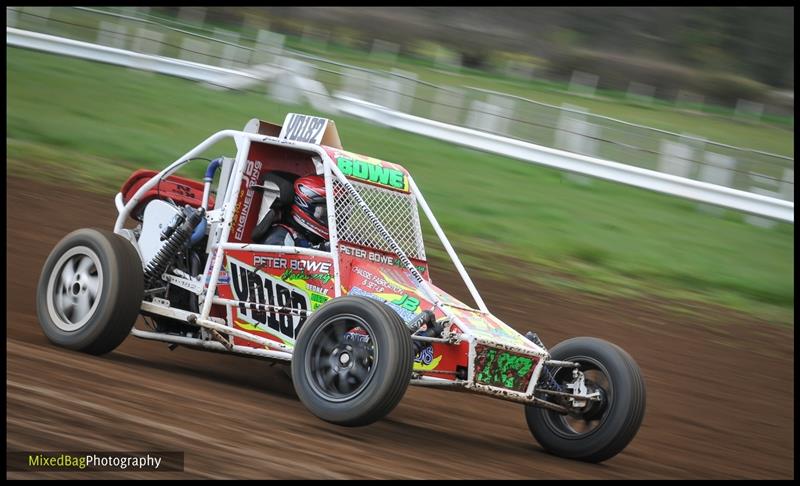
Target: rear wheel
{"type": "Point", "coordinates": [90, 291]}
{"type": "Point", "coordinates": [352, 362]}
{"type": "Point", "coordinates": [593, 431]}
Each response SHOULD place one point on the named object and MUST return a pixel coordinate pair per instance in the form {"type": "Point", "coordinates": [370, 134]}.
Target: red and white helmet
{"type": "Point", "coordinates": [310, 208]}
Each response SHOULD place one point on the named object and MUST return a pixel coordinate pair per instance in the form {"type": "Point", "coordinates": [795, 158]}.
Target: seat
{"type": "Point", "coordinates": [277, 193]}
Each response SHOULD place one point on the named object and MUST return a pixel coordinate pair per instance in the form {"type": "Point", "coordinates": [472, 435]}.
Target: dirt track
{"type": "Point", "coordinates": [719, 405]}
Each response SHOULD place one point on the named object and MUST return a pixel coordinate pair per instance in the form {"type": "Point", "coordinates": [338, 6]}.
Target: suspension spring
{"type": "Point", "coordinates": [176, 241]}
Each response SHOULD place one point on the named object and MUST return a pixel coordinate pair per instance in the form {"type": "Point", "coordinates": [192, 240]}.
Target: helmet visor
{"type": "Point", "coordinates": [321, 213]}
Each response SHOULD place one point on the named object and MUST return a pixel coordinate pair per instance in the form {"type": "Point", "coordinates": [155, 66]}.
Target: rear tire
{"type": "Point", "coordinates": [352, 362]}
{"type": "Point", "coordinates": [616, 418]}
{"type": "Point", "coordinates": [90, 291]}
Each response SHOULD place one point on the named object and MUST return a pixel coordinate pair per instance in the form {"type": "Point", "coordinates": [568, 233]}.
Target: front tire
{"type": "Point", "coordinates": [352, 362]}
{"type": "Point", "coordinates": [599, 430]}
{"type": "Point", "coordinates": [90, 291]}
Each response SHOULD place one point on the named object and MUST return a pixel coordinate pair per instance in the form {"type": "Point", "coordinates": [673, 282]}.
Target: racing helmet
{"type": "Point", "coordinates": [310, 208]}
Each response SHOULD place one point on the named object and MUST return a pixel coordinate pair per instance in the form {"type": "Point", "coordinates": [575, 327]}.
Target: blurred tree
{"type": "Point", "coordinates": [751, 42]}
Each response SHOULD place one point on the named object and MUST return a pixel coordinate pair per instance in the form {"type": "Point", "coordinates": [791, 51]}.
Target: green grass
{"type": "Point", "coordinates": [89, 124]}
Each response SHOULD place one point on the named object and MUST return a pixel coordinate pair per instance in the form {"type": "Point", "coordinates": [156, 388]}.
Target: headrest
{"type": "Point", "coordinates": [280, 185]}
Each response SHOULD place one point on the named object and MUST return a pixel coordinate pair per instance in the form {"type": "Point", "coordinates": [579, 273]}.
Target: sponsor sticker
{"type": "Point", "coordinates": [249, 284]}
{"type": "Point", "coordinates": [377, 257]}
{"type": "Point", "coordinates": [425, 356]}
{"type": "Point", "coordinates": [373, 172]}
{"type": "Point", "coordinates": [249, 178]}
{"type": "Point", "coordinates": [405, 314]}
{"type": "Point", "coordinates": [503, 369]}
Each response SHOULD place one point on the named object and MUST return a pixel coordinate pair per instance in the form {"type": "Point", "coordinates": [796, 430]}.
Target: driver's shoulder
{"type": "Point", "coordinates": [281, 234]}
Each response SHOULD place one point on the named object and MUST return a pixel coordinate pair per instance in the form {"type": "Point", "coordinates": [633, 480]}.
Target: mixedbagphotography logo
{"type": "Point", "coordinates": [36, 461]}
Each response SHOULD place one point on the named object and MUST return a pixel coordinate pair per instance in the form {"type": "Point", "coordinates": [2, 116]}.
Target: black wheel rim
{"type": "Point", "coordinates": [579, 423]}
{"type": "Point", "coordinates": [341, 357]}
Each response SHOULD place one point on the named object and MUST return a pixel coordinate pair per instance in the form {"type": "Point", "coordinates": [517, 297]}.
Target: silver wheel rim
{"type": "Point", "coordinates": [576, 426]}
{"type": "Point", "coordinates": [74, 288]}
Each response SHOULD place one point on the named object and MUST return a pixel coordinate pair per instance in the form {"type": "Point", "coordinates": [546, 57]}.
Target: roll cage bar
{"type": "Point", "coordinates": [224, 213]}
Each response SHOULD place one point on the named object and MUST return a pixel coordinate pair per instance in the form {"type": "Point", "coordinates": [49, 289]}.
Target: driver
{"type": "Point", "coordinates": [308, 217]}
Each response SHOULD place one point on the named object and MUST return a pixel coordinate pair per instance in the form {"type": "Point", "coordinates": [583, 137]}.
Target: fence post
{"type": "Point", "coordinates": [448, 105]}
{"type": "Point", "coordinates": [717, 169]}
{"type": "Point", "coordinates": [195, 50]}
{"type": "Point", "coordinates": [447, 59]}
{"type": "Point", "coordinates": [384, 90]}
{"type": "Point", "coordinates": [408, 86]}
{"type": "Point", "coordinates": [676, 158]}
{"type": "Point", "coordinates": [583, 83]}
{"type": "Point", "coordinates": [384, 50]}
{"type": "Point", "coordinates": [692, 101]}
{"type": "Point", "coordinates": [491, 115]}
{"type": "Point", "coordinates": [749, 109]}
{"type": "Point", "coordinates": [576, 134]}
{"type": "Point", "coordinates": [146, 42]}
{"type": "Point", "coordinates": [785, 190]}
{"type": "Point", "coordinates": [285, 87]}
{"type": "Point", "coordinates": [267, 41]}
{"type": "Point", "coordinates": [228, 54]}
{"type": "Point", "coordinates": [192, 15]}
{"type": "Point", "coordinates": [112, 34]}
{"type": "Point", "coordinates": [641, 93]}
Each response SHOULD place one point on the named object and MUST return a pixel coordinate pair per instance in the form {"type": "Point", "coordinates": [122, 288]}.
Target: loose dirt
{"type": "Point", "coordinates": [720, 397]}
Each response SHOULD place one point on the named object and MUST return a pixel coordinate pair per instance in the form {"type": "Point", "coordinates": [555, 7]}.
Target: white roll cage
{"type": "Point", "coordinates": [220, 221]}
{"type": "Point", "coordinates": [328, 168]}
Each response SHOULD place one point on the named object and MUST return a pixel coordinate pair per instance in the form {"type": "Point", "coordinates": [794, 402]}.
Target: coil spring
{"type": "Point", "coordinates": [158, 264]}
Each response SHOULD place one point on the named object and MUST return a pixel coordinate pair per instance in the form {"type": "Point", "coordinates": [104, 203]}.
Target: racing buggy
{"type": "Point", "coordinates": [358, 318]}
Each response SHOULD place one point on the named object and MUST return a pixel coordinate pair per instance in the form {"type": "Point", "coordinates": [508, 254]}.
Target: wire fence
{"type": "Point", "coordinates": [296, 77]}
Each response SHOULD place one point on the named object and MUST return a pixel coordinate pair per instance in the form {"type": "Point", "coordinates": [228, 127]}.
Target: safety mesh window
{"type": "Point", "coordinates": [396, 211]}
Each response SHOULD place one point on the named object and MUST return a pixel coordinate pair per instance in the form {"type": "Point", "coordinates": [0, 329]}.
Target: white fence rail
{"type": "Point", "coordinates": [635, 176]}
{"type": "Point", "coordinates": [121, 57]}
{"type": "Point", "coordinates": [581, 164]}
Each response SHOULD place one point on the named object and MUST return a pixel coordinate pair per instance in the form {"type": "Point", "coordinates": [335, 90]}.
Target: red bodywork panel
{"type": "Point", "coordinates": [180, 189]}
{"type": "Point", "coordinates": [298, 282]}
{"type": "Point", "coordinates": [303, 283]}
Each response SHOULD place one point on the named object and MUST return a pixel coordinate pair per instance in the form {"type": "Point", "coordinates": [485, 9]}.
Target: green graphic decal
{"type": "Point", "coordinates": [317, 300]}
{"type": "Point", "coordinates": [502, 369]}
{"type": "Point", "coordinates": [407, 302]}
{"type": "Point", "coordinates": [398, 263]}
{"type": "Point", "coordinates": [302, 275]}
{"type": "Point", "coordinates": [374, 173]}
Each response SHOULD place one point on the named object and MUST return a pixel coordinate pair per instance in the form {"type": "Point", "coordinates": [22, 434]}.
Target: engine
{"type": "Point", "coordinates": [172, 243]}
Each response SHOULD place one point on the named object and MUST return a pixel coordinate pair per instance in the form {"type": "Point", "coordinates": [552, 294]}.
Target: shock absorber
{"type": "Point", "coordinates": [433, 329]}
{"type": "Point", "coordinates": [175, 241]}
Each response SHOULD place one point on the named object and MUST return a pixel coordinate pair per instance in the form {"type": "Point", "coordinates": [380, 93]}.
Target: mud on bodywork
{"type": "Point", "coordinates": [502, 357]}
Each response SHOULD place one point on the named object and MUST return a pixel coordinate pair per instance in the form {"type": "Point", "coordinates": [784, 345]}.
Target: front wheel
{"type": "Point", "coordinates": [592, 431]}
{"type": "Point", "coordinates": [352, 362]}
{"type": "Point", "coordinates": [90, 291]}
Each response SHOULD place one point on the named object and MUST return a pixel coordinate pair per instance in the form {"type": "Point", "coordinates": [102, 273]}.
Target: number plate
{"type": "Point", "coordinates": [503, 369]}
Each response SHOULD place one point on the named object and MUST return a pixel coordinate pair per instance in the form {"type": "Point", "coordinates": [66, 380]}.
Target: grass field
{"type": "Point", "coordinates": [88, 124]}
